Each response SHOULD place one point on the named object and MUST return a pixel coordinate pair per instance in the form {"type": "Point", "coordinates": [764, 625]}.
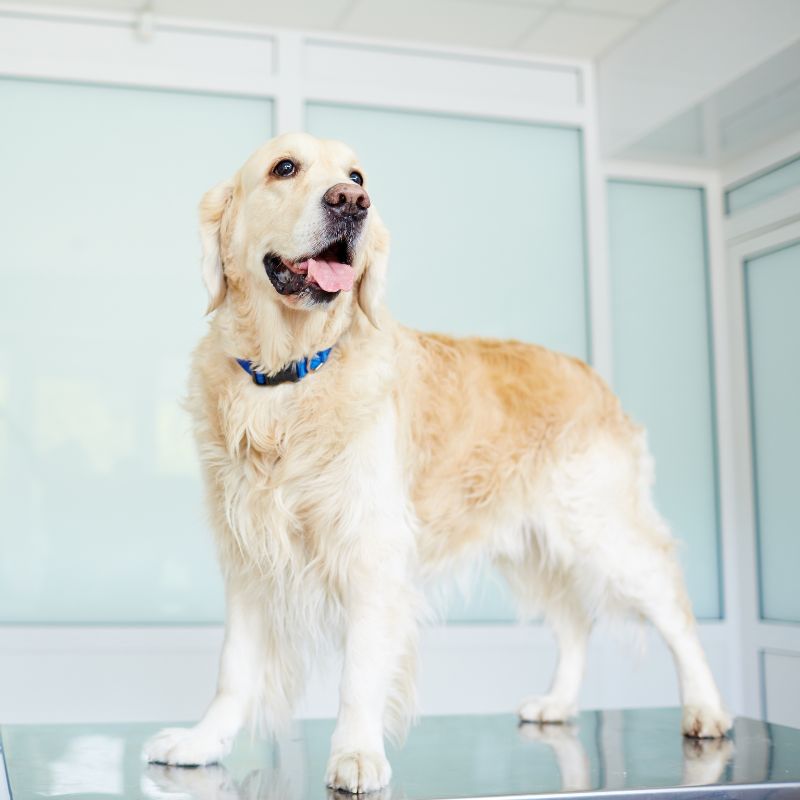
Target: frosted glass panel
{"type": "Point", "coordinates": [662, 361]}
{"type": "Point", "coordinates": [761, 188]}
{"type": "Point", "coordinates": [487, 234]}
{"type": "Point", "coordinates": [773, 288]}
{"type": "Point", "coordinates": [101, 517]}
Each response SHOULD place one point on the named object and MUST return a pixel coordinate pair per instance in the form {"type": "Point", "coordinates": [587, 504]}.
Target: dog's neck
{"type": "Point", "coordinates": [271, 335]}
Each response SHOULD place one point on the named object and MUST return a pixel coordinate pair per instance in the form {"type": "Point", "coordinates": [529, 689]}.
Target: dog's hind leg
{"type": "Point", "coordinates": [212, 738]}
{"type": "Point", "coordinates": [571, 626]}
{"type": "Point", "coordinates": [659, 594]}
{"type": "Point", "coordinates": [623, 555]}
{"type": "Point", "coordinates": [634, 559]}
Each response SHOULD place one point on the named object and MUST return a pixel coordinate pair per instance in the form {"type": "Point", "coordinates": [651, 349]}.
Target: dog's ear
{"type": "Point", "coordinates": [212, 208]}
{"type": "Point", "coordinates": [372, 286]}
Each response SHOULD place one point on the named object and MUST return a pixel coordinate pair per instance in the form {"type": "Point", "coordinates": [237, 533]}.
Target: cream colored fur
{"type": "Point", "coordinates": [407, 454]}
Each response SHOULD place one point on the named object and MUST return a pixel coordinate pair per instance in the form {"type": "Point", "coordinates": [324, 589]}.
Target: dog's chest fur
{"type": "Point", "coordinates": [286, 475]}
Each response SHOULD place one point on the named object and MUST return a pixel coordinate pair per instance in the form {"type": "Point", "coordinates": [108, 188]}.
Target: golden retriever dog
{"type": "Point", "coordinates": [347, 458]}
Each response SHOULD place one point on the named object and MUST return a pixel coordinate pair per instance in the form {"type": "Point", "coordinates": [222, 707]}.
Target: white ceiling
{"type": "Point", "coordinates": [568, 28]}
{"type": "Point", "coordinates": [760, 106]}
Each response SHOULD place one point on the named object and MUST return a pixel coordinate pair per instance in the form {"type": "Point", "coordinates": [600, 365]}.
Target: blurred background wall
{"type": "Point", "coordinates": [639, 207]}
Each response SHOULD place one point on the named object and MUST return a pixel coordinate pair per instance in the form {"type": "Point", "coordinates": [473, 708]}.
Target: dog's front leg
{"type": "Point", "coordinates": [212, 737]}
{"type": "Point", "coordinates": [379, 626]}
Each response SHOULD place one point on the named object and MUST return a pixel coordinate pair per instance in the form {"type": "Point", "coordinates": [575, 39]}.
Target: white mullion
{"type": "Point", "coordinates": [290, 99]}
{"type": "Point", "coordinates": [742, 499]}
{"type": "Point", "coordinates": [595, 206]}
{"type": "Point", "coordinates": [412, 99]}
{"type": "Point", "coordinates": [725, 433]}
{"type": "Point", "coordinates": [575, 65]}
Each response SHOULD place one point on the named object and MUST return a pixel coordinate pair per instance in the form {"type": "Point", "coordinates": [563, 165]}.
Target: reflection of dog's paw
{"type": "Point", "coordinates": [547, 734]}
{"type": "Point", "coordinates": [573, 763]}
{"type": "Point", "coordinates": [341, 794]}
{"type": "Point", "coordinates": [358, 772]}
{"type": "Point", "coordinates": [187, 747]}
{"type": "Point", "coordinates": [545, 709]}
{"type": "Point", "coordinates": [208, 783]}
{"type": "Point", "coordinates": [704, 760]}
{"type": "Point", "coordinates": [705, 722]}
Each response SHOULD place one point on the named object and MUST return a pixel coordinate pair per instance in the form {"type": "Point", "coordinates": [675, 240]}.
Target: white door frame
{"type": "Point", "coordinates": [759, 636]}
{"type": "Point", "coordinates": [753, 231]}
{"type": "Point", "coordinates": [709, 181]}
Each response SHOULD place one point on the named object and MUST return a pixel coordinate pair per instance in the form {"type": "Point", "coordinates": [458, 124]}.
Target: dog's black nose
{"type": "Point", "coordinates": [347, 199]}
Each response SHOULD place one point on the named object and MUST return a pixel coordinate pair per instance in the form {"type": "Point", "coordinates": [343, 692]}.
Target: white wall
{"type": "Point", "coordinates": [102, 674]}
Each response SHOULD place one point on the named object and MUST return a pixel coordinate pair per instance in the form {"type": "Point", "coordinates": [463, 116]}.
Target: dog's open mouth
{"type": "Point", "coordinates": [321, 276]}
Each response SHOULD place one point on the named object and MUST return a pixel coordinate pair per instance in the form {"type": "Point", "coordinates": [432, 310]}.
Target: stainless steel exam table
{"type": "Point", "coordinates": [609, 754]}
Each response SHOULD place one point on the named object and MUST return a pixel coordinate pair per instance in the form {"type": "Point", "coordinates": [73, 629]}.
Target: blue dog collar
{"type": "Point", "coordinates": [291, 373]}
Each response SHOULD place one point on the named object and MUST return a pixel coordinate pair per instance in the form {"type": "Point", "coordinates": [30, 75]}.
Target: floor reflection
{"type": "Point", "coordinates": [161, 782]}
{"type": "Point", "coordinates": [569, 752]}
{"type": "Point", "coordinates": [704, 760]}
{"type": "Point", "coordinates": [611, 754]}
{"type": "Point", "coordinates": [89, 765]}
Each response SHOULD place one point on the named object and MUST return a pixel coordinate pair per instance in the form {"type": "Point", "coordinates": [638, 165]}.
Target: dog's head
{"type": "Point", "coordinates": [295, 226]}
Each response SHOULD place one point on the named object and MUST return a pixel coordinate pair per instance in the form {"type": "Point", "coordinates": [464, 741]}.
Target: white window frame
{"type": "Point", "coordinates": [729, 626]}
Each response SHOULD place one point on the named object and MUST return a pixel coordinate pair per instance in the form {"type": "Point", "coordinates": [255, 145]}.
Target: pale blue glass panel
{"type": "Point", "coordinates": [772, 291]}
{"type": "Point", "coordinates": [101, 516]}
{"type": "Point", "coordinates": [762, 187]}
{"type": "Point", "coordinates": [487, 232]}
{"type": "Point", "coordinates": [663, 364]}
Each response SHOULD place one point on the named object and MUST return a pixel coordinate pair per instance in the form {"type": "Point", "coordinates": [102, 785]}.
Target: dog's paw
{"type": "Point", "coordinates": [185, 747]}
{"type": "Point", "coordinates": [358, 772]}
{"type": "Point", "coordinates": [545, 708]}
{"type": "Point", "coordinates": [705, 722]}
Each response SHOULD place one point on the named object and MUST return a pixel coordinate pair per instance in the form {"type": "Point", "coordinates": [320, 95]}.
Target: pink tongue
{"type": "Point", "coordinates": [330, 275]}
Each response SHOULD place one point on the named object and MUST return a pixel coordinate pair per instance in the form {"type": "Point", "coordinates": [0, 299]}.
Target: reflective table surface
{"type": "Point", "coordinates": [610, 754]}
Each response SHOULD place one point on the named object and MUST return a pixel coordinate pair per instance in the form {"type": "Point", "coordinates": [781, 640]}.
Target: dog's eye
{"type": "Point", "coordinates": [285, 168]}
{"type": "Point", "coordinates": [357, 177]}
